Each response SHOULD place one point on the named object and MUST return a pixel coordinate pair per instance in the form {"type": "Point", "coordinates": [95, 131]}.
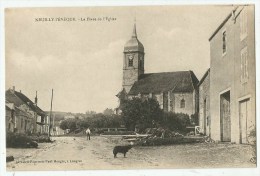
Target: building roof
{"type": "Point", "coordinates": [9, 106]}
{"type": "Point", "coordinates": [204, 76]}
{"type": "Point", "coordinates": [134, 44]}
{"type": "Point", "coordinates": [18, 99]}
{"type": "Point", "coordinates": [181, 81]}
{"type": "Point", "coordinates": [223, 23]}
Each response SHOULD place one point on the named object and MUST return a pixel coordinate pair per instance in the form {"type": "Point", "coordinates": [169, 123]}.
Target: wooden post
{"type": "Point", "coordinates": [50, 118]}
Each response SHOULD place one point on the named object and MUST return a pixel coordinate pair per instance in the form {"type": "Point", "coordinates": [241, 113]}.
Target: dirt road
{"type": "Point", "coordinates": [76, 153]}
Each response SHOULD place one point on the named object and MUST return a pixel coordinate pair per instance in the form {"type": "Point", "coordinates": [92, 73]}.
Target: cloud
{"type": "Point", "coordinates": [86, 82]}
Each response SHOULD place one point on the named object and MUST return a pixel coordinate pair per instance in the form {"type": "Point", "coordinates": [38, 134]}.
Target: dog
{"type": "Point", "coordinates": [121, 149]}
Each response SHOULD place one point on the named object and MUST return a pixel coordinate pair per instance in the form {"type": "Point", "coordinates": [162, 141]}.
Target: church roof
{"type": "Point", "coordinates": [181, 81]}
{"type": "Point", "coordinates": [134, 44]}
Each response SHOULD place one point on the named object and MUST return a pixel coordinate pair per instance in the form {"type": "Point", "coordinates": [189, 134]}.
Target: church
{"type": "Point", "coordinates": [175, 91]}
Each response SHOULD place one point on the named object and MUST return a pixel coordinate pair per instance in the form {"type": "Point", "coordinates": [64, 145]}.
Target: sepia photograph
{"type": "Point", "coordinates": [130, 87]}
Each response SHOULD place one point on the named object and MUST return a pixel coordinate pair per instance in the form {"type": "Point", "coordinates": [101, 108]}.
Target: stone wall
{"type": "Point", "coordinates": [204, 106]}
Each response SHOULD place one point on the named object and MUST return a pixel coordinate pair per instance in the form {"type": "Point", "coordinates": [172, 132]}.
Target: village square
{"type": "Point", "coordinates": [162, 120]}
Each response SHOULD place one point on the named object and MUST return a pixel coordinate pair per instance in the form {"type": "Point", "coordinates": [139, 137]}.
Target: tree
{"type": "Point", "coordinates": [68, 124]}
{"type": "Point", "coordinates": [108, 112]}
{"type": "Point", "coordinates": [98, 120]}
{"type": "Point", "coordinates": [63, 125]}
{"type": "Point", "coordinates": [141, 113]}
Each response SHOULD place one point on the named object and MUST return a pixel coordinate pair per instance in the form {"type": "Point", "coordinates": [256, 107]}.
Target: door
{"type": "Point", "coordinates": [225, 124]}
{"type": "Point", "coordinates": [244, 120]}
{"type": "Point", "coordinates": [205, 116]}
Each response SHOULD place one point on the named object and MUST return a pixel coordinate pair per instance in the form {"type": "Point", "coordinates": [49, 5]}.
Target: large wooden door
{"type": "Point", "coordinates": [205, 116]}
{"type": "Point", "coordinates": [245, 121]}
{"type": "Point", "coordinates": [225, 123]}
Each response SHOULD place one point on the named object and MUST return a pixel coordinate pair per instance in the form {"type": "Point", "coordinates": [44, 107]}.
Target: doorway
{"type": "Point", "coordinates": [244, 120]}
{"type": "Point", "coordinates": [225, 122]}
{"type": "Point", "coordinates": [205, 116]}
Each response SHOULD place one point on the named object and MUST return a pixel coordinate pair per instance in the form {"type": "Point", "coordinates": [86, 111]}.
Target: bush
{"type": "Point", "coordinates": [176, 121]}
{"type": "Point", "coordinates": [252, 141]}
{"type": "Point", "coordinates": [194, 118]}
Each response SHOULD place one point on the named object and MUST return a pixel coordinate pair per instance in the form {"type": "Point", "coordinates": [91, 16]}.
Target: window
{"type": "Point", "coordinates": [243, 24]}
{"type": "Point", "coordinates": [244, 66]}
{"type": "Point", "coordinates": [224, 42]}
{"type": "Point", "coordinates": [21, 123]}
{"type": "Point", "coordinates": [130, 61]}
{"type": "Point", "coordinates": [141, 63]}
{"type": "Point", "coordinates": [25, 125]}
{"type": "Point", "coordinates": [182, 103]}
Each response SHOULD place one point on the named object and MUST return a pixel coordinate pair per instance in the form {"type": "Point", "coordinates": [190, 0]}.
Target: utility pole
{"type": "Point", "coordinates": [50, 119]}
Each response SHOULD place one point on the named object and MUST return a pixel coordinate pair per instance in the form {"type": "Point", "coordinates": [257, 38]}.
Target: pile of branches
{"type": "Point", "coordinates": [162, 133]}
{"type": "Point", "coordinates": [160, 136]}
{"type": "Point", "coordinates": [40, 138]}
{"type": "Point", "coordinates": [119, 133]}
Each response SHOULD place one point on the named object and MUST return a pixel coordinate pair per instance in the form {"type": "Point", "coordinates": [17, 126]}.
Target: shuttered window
{"type": "Point", "coordinates": [244, 65]}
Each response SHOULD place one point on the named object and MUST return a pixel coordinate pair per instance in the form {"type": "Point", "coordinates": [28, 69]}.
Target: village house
{"type": "Point", "coordinates": [10, 117]}
{"type": "Point", "coordinates": [232, 79]}
{"type": "Point", "coordinates": [22, 115]}
{"type": "Point", "coordinates": [175, 91]}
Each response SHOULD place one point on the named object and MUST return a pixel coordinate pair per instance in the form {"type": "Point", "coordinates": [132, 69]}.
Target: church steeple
{"type": "Point", "coordinates": [134, 44]}
{"type": "Point", "coordinates": [134, 35]}
{"type": "Point", "coordinates": [133, 61]}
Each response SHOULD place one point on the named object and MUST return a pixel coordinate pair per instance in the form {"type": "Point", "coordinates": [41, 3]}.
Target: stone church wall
{"type": "Point", "coordinates": [189, 103]}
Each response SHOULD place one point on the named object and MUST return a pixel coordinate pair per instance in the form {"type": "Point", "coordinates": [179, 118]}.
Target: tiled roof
{"type": "Point", "coordinates": [182, 81]}
{"type": "Point", "coordinates": [18, 99]}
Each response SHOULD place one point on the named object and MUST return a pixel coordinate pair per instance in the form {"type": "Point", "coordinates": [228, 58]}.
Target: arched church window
{"type": "Point", "coordinates": [182, 103]}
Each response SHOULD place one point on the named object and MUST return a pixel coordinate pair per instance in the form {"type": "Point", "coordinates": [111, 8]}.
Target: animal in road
{"type": "Point", "coordinates": [121, 149]}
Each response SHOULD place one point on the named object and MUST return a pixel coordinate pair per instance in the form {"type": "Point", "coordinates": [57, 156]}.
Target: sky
{"type": "Point", "coordinates": [83, 60]}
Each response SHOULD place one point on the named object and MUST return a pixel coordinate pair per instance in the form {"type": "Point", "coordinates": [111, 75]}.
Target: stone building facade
{"type": "Point", "coordinates": [175, 91]}
{"type": "Point", "coordinates": [233, 77]}
{"type": "Point", "coordinates": [204, 104]}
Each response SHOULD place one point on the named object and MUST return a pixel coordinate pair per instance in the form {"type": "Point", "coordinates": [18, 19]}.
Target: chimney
{"type": "Point", "coordinates": [20, 91]}
{"type": "Point", "coordinates": [13, 88]}
{"type": "Point", "coordinates": [36, 99]}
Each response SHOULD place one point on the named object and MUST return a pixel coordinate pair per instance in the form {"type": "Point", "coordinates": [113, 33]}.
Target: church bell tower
{"type": "Point", "coordinates": [133, 65]}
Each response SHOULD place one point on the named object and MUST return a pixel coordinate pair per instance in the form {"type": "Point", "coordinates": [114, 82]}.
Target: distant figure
{"type": "Point", "coordinates": [88, 134]}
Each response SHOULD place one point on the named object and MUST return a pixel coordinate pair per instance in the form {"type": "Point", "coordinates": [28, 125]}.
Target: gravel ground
{"type": "Point", "coordinates": [76, 153]}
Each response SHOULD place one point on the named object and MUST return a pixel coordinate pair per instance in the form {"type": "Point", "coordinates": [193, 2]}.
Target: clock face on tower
{"type": "Point", "coordinates": [130, 60]}
{"type": "Point", "coordinates": [130, 57]}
